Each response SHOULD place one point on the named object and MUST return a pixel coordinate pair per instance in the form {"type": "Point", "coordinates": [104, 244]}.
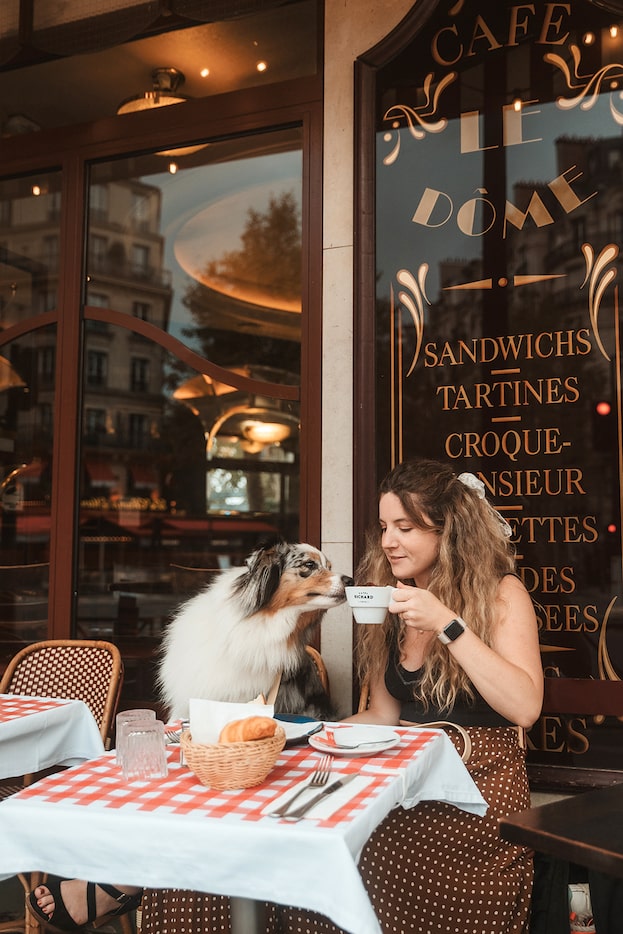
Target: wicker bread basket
{"type": "Point", "coordinates": [233, 765]}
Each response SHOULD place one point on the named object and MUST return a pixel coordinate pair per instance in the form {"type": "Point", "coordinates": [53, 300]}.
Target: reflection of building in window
{"type": "Point", "coordinates": [46, 418]}
{"type": "Point", "coordinates": [140, 258]}
{"type": "Point", "coordinates": [94, 423]}
{"type": "Point", "coordinates": [141, 211]}
{"type": "Point", "coordinates": [139, 374]}
{"type": "Point", "coordinates": [138, 430]}
{"type": "Point", "coordinates": [54, 206]}
{"type": "Point", "coordinates": [98, 247]}
{"type": "Point", "coordinates": [98, 202]}
{"type": "Point", "coordinates": [50, 251]}
{"type": "Point", "coordinates": [141, 310]}
{"type": "Point", "coordinates": [97, 368]}
{"type": "Point", "coordinates": [98, 299]}
{"type": "Point", "coordinates": [48, 300]}
{"type": "Point", "coordinates": [47, 364]}
{"type": "Point", "coordinates": [5, 213]}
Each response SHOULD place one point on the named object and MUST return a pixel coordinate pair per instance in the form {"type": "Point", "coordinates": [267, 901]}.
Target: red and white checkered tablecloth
{"type": "Point", "coordinates": [176, 833]}
{"type": "Point", "coordinates": [13, 705]}
{"type": "Point", "coordinates": [37, 733]}
{"type": "Point", "coordinates": [100, 783]}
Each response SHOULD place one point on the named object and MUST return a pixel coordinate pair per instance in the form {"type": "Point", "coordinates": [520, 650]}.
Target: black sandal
{"type": "Point", "coordinates": [61, 920]}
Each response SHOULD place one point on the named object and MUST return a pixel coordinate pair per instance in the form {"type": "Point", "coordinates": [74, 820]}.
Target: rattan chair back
{"type": "Point", "coordinates": [74, 669]}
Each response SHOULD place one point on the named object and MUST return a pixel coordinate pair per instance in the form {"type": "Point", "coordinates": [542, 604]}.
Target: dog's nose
{"type": "Point", "coordinates": [348, 581]}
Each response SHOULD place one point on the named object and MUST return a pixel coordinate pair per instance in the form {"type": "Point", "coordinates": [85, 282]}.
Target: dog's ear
{"type": "Point", "coordinates": [259, 582]}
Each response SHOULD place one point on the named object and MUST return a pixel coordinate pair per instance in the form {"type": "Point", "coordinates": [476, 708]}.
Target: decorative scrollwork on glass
{"type": "Point", "coordinates": [413, 301]}
{"type": "Point", "coordinates": [417, 118]}
{"type": "Point", "coordinates": [588, 87]}
{"type": "Point", "coordinates": [598, 280]}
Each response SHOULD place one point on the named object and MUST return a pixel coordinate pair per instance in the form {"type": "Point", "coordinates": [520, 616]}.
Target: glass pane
{"type": "Point", "coordinates": [184, 469]}
{"type": "Point", "coordinates": [499, 219]}
{"type": "Point", "coordinates": [29, 257]}
{"type": "Point", "coordinates": [26, 407]}
{"type": "Point", "coordinates": [30, 210]}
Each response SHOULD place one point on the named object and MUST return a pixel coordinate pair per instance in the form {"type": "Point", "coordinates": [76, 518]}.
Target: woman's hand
{"type": "Point", "coordinates": [420, 609]}
{"type": "Point", "coordinates": [508, 673]}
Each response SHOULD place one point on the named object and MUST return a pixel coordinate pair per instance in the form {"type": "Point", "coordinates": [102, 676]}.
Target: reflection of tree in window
{"type": "Point", "coordinates": [270, 258]}
{"type": "Point", "coordinates": [268, 263]}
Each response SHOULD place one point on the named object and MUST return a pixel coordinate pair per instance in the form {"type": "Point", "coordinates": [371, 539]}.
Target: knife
{"type": "Point", "coordinates": [297, 813]}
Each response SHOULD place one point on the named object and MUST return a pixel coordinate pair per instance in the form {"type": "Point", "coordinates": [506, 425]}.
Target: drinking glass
{"type": "Point", "coordinates": [144, 750]}
{"type": "Point", "coordinates": [127, 716]}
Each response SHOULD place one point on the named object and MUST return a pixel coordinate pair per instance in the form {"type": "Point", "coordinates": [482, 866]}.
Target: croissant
{"type": "Point", "coordinates": [241, 731]}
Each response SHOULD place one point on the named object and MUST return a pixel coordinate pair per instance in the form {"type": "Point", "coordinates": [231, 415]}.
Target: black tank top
{"type": "Point", "coordinates": [400, 682]}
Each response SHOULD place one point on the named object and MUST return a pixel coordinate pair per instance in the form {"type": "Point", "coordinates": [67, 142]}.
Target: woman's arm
{"type": "Point", "coordinates": [509, 674]}
{"type": "Point", "coordinates": [382, 707]}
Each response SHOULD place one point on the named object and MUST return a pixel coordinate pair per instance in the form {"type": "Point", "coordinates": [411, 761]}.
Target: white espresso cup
{"type": "Point", "coordinates": [369, 604]}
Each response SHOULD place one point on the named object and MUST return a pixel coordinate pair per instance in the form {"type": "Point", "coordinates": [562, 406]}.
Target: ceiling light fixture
{"type": "Point", "coordinates": [265, 432]}
{"type": "Point", "coordinates": [164, 92]}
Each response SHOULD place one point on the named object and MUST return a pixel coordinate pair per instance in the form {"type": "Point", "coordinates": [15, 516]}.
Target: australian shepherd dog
{"type": "Point", "coordinates": [231, 641]}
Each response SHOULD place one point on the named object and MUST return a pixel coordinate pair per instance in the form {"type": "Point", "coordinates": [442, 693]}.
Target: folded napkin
{"type": "Point", "coordinates": [327, 805]}
{"type": "Point", "coordinates": [207, 718]}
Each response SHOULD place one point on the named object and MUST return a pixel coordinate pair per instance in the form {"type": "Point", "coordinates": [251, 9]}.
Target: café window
{"type": "Point", "coordinates": [496, 208]}
{"type": "Point", "coordinates": [139, 374]}
{"type": "Point", "coordinates": [97, 368]}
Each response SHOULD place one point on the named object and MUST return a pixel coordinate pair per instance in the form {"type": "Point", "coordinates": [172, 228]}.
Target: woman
{"type": "Point", "coordinates": [459, 644]}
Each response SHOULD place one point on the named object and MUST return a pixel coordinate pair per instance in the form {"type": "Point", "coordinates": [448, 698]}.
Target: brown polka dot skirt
{"type": "Point", "coordinates": [434, 869]}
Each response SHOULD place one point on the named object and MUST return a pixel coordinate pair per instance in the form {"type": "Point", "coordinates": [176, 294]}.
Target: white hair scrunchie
{"type": "Point", "coordinates": [469, 480]}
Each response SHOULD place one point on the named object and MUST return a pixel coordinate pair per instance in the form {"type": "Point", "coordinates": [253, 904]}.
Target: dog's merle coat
{"type": "Point", "coordinates": [230, 641]}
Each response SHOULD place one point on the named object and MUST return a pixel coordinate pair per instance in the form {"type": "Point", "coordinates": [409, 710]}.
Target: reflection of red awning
{"type": "Point", "coordinates": [100, 474]}
{"type": "Point", "coordinates": [145, 476]}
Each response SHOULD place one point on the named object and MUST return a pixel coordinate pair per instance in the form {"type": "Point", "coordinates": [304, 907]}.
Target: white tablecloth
{"type": "Point", "coordinates": [176, 833]}
{"type": "Point", "coordinates": [37, 733]}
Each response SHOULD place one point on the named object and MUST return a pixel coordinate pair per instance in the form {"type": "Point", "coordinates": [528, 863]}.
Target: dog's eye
{"type": "Point", "coordinates": [310, 565]}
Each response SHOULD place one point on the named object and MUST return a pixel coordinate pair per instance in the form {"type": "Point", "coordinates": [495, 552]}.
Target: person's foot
{"type": "Point", "coordinates": [73, 893]}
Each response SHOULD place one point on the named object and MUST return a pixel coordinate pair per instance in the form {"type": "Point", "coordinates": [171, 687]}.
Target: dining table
{"type": "Point", "coordinates": [37, 733]}
{"type": "Point", "coordinates": [175, 832]}
{"type": "Point", "coordinates": [584, 828]}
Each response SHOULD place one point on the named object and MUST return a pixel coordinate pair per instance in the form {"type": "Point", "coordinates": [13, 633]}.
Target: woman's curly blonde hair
{"type": "Point", "coordinates": [474, 554]}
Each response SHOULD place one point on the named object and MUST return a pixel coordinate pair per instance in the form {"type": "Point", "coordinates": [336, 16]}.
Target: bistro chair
{"type": "Point", "coordinates": [74, 669]}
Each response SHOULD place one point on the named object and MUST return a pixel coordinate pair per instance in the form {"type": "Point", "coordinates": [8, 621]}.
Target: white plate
{"type": "Point", "coordinates": [297, 728]}
{"type": "Point", "coordinates": [387, 740]}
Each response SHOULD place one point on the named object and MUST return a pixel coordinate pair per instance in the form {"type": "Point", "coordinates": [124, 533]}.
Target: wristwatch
{"type": "Point", "coordinates": [454, 629]}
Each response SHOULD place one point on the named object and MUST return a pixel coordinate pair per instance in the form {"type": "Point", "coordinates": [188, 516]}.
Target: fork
{"type": "Point", "coordinates": [172, 736]}
{"type": "Point", "coordinates": [318, 778]}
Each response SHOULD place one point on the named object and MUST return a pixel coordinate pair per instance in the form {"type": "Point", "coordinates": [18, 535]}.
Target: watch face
{"type": "Point", "coordinates": [454, 629]}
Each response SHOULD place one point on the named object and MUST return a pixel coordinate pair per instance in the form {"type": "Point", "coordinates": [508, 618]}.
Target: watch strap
{"type": "Point", "coordinates": [451, 632]}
